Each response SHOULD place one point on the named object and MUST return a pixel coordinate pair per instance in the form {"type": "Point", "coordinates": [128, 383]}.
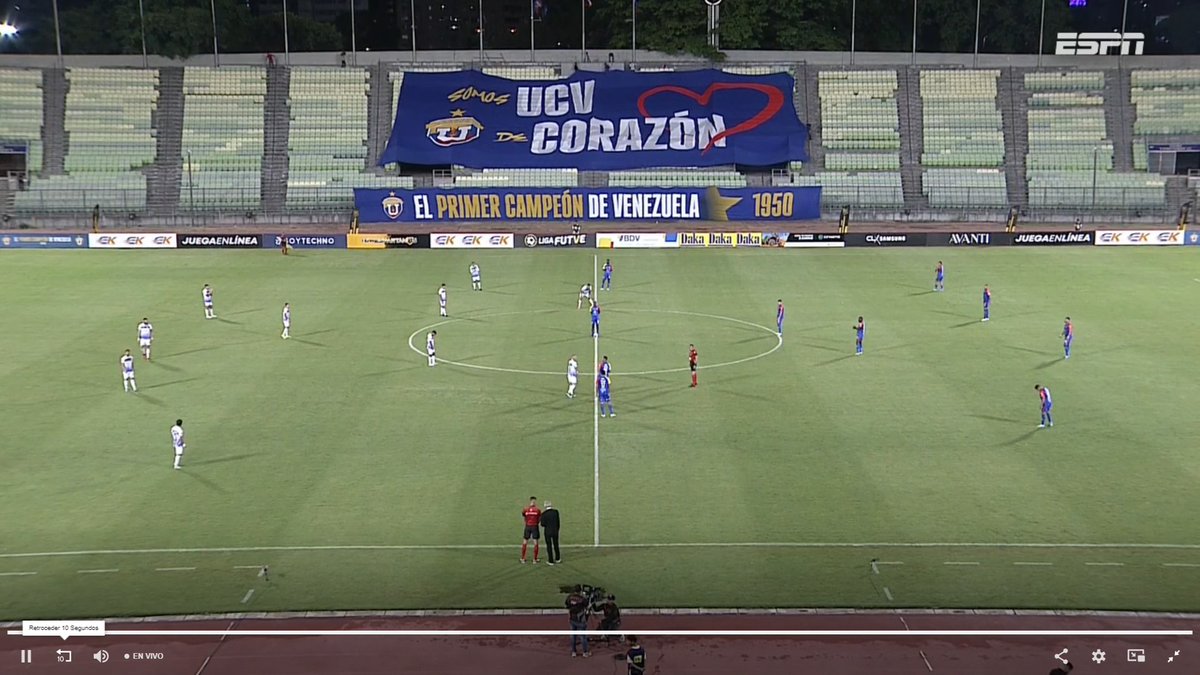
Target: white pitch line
{"type": "Point", "coordinates": [108, 571]}
{"type": "Point", "coordinates": [249, 594]}
{"type": "Point", "coordinates": [17, 574]}
{"type": "Point", "coordinates": [874, 567]}
{"type": "Point", "coordinates": [1104, 564]}
{"type": "Point", "coordinates": [960, 563]}
{"type": "Point", "coordinates": [888, 593]}
{"type": "Point", "coordinates": [714, 544]}
{"type": "Point", "coordinates": [247, 567]}
{"type": "Point", "coordinates": [595, 422]}
{"type": "Point", "coordinates": [1034, 564]}
{"type": "Point", "coordinates": [926, 660]}
{"type": "Point", "coordinates": [174, 569]}
{"type": "Point", "coordinates": [1181, 565]}
{"type": "Point", "coordinates": [635, 373]}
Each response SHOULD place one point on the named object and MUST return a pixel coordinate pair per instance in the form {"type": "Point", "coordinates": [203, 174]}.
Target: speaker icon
{"type": "Point", "coordinates": [101, 656]}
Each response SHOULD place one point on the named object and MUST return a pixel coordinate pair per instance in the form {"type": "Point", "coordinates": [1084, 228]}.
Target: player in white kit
{"type": "Point", "coordinates": [442, 299]}
{"type": "Point", "coordinates": [145, 337]}
{"type": "Point", "coordinates": [127, 372]}
{"type": "Point", "coordinates": [177, 442]}
{"type": "Point", "coordinates": [585, 295]}
{"type": "Point", "coordinates": [208, 306]}
{"type": "Point", "coordinates": [475, 279]}
{"type": "Point", "coordinates": [431, 348]}
{"type": "Point", "coordinates": [572, 376]}
{"type": "Point", "coordinates": [287, 321]}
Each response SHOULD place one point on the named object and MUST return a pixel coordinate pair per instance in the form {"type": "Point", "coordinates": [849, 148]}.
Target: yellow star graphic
{"type": "Point", "coordinates": [458, 113]}
{"type": "Point", "coordinates": [718, 205]}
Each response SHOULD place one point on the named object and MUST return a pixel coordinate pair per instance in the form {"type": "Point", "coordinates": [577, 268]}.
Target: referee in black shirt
{"type": "Point", "coordinates": [550, 524]}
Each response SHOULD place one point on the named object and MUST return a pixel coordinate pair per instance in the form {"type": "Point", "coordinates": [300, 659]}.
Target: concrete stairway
{"type": "Point", "coordinates": [1013, 102]}
{"type": "Point", "coordinates": [807, 99]}
{"type": "Point", "coordinates": [911, 112]}
{"type": "Point", "coordinates": [54, 116]}
{"type": "Point", "coordinates": [164, 176]}
{"type": "Point", "coordinates": [276, 126]}
{"type": "Point", "coordinates": [1118, 117]}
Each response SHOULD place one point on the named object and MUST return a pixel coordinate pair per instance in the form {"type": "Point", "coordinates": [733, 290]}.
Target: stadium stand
{"type": "Point", "coordinates": [676, 178]}
{"type": "Point", "coordinates": [550, 178]}
{"type": "Point", "coordinates": [109, 139]}
{"type": "Point", "coordinates": [522, 72]}
{"type": "Point", "coordinates": [964, 139]}
{"type": "Point", "coordinates": [21, 112]}
{"type": "Point", "coordinates": [861, 135]}
{"type": "Point", "coordinates": [222, 137]}
{"type": "Point", "coordinates": [1069, 142]}
{"type": "Point", "coordinates": [327, 138]}
{"type": "Point", "coordinates": [1167, 101]}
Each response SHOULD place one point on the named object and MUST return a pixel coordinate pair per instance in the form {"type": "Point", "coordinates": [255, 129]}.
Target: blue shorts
{"type": "Point", "coordinates": [604, 398]}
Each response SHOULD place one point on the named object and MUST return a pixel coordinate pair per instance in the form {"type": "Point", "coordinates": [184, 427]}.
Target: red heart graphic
{"type": "Point", "coordinates": [773, 106]}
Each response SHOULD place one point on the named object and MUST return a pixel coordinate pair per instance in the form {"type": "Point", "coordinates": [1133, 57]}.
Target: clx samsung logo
{"type": "Point", "coordinates": [1100, 44]}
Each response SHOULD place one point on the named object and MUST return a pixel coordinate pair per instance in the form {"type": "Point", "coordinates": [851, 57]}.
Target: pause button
{"type": "Point", "coordinates": [26, 656]}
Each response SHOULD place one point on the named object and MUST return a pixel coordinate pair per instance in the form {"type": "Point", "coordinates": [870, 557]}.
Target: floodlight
{"type": "Point", "coordinates": [7, 30]}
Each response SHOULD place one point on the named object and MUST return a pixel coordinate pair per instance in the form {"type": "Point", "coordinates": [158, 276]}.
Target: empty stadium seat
{"type": "Point", "coordinates": [550, 178]}
{"type": "Point", "coordinates": [327, 136]}
{"type": "Point", "coordinates": [676, 178]}
{"type": "Point", "coordinates": [222, 136]}
{"type": "Point", "coordinates": [963, 130]}
{"type": "Point", "coordinates": [860, 129]}
{"type": "Point", "coordinates": [1166, 101]}
{"type": "Point", "coordinates": [21, 111]}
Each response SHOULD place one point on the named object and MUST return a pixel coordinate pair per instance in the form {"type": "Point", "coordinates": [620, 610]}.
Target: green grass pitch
{"type": "Point", "coordinates": [366, 479]}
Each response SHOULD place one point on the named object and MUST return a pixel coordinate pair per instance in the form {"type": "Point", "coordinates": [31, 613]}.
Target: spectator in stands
{"type": "Point", "coordinates": [343, 58]}
{"type": "Point", "coordinates": [270, 59]}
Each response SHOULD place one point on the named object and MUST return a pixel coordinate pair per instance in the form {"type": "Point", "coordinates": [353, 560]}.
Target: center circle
{"type": "Point", "coordinates": [560, 373]}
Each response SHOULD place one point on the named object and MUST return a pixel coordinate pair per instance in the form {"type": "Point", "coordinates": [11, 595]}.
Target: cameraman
{"type": "Point", "coordinates": [577, 613]}
{"type": "Point", "coordinates": [610, 615]}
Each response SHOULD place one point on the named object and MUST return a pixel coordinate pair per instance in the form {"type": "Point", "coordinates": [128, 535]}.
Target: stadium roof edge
{"type": "Point", "coordinates": [560, 57]}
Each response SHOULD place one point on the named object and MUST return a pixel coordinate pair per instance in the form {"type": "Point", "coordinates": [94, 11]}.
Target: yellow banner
{"type": "Point", "coordinates": [366, 241]}
{"type": "Point", "coordinates": [720, 239]}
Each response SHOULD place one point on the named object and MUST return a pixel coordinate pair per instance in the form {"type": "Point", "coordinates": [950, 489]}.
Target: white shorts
{"type": "Point", "coordinates": [475, 278]}
{"type": "Point", "coordinates": [144, 342]}
{"type": "Point", "coordinates": [432, 352]}
{"type": "Point", "coordinates": [179, 449]}
{"type": "Point", "coordinates": [128, 376]}
{"type": "Point", "coordinates": [287, 324]}
{"type": "Point", "coordinates": [572, 379]}
{"type": "Point", "coordinates": [208, 304]}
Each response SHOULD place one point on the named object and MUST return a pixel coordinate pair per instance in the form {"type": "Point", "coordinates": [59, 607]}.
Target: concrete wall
{"type": "Point", "coordinates": [568, 58]}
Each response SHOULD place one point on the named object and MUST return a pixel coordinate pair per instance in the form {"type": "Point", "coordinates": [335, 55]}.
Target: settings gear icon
{"type": "Point", "coordinates": [1098, 656]}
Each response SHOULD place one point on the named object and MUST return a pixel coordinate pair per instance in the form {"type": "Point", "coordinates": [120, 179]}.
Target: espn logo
{"type": "Point", "coordinates": [1100, 44]}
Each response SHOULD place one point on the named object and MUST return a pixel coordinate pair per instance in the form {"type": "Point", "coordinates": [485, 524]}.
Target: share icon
{"type": "Point", "coordinates": [1063, 653]}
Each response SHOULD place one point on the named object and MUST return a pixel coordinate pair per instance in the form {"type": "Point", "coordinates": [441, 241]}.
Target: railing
{"type": "Point", "coordinates": [322, 201]}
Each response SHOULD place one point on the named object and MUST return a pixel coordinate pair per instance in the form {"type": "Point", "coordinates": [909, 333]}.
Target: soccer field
{"type": "Point", "coordinates": [366, 479]}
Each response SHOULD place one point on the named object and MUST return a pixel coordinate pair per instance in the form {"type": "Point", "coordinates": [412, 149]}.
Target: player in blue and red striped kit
{"type": "Point", "coordinates": [987, 303]}
{"type": "Point", "coordinates": [939, 277]}
{"type": "Point", "coordinates": [1047, 404]}
{"type": "Point", "coordinates": [604, 392]}
{"type": "Point", "coordinates": [1068, 336]}
{"type": "Point", "coordinates": [860, 331]}
{"type": "Point", "coordinates": [779, 317]}
{"type": "Point", "coordinates": [595, 319]}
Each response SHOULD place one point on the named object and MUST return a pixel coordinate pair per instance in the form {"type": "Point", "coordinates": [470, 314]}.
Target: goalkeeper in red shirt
{"type": "Point", "coordinates": [533, 516]}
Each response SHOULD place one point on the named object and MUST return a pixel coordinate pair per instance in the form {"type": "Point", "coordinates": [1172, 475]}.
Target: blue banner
{"type": "Point", "coordinates": [43, 240]}
{"type": "Point", "coordinates": [437, 205]}
{"type": "Point", "coordinates": [305, 240]}
{"type": "Point", "coordinates": [597, 121]}
{"type": "Point", "coordinates": [1191, 238]}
